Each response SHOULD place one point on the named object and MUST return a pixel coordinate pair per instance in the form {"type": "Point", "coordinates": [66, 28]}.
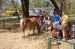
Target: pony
{"type": "Point", "coordinates": [30, 22]}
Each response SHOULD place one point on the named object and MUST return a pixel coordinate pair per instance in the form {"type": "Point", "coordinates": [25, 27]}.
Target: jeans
{"type": "Point", "coordinates": [58, 33]}
{"type": "Point", "coordinates": [55, 24]}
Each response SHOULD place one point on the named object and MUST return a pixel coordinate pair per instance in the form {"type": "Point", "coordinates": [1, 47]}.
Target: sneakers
{"type": "Point", "coordinates": [64, 39]}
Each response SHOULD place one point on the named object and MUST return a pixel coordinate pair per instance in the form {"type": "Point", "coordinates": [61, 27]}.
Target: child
{"type": "Point", "coordinates": [49, 24]}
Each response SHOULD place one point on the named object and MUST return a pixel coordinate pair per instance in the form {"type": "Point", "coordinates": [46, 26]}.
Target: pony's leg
{"type": "Point", "coordinates": [33, 29]}
{"type": "Point", "coordinates": [24, 30]}
{"type": "Point", "coordinates": [30, 29]}
{"type": "Point", "coordinates": [38, 28]}
{"type": "Point", "coordinates": [22, 26]}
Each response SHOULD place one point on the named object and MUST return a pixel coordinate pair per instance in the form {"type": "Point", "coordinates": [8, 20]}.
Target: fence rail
{"type": "Point", "coordinates": [70, 45]}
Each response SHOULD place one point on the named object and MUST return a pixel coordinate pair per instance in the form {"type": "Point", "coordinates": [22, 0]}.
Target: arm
{"type": "Point", "coordinates": [61, 19]}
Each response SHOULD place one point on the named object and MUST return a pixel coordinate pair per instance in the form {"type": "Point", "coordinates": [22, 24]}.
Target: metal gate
{"type": "Point", "coordinates": [67, 44]}
{"type": "Point", "coordinates": [9, 23]}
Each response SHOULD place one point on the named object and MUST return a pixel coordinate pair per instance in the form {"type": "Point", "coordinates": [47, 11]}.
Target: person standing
{"type": "Point", "coordinates": [64, 22]}
{"type": "Point", "coordinates": [55, 19]}
{"type": "Point", "coordinates": [46, 20]}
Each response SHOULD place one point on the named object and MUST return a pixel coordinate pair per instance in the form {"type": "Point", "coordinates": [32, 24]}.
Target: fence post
{"type": "Point", "coordinates": [49, 42]}
{"type": "Point", "coordinates": [74, 45]}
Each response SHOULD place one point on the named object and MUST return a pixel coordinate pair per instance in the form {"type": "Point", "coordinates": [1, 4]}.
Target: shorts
{"type": "Point", "coordinates": [55, 24]}
{"type": "Point", "coordinates": [64, 26]}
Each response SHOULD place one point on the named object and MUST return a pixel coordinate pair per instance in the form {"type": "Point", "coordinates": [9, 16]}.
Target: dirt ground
{"type": "Point", "coordinates": [15, 40]}
{"type": "Point", "coordinates": [12, 38]}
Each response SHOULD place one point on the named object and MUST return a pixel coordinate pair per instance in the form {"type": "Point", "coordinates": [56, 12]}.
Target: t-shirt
{"type": "Point", "coordinates": [55, 18]}
{"type": "Point", "coordinates": [46, 18]}
{"type": "Point", "coordinates": [49, 22]}
{"type": "Point", "coordinates": [41, 18]}
{"type": "Point", "coordinates": [65, 20]}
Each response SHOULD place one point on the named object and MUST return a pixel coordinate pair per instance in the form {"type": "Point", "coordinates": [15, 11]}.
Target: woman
{"type": "Point", "coordinates": [64, 21]}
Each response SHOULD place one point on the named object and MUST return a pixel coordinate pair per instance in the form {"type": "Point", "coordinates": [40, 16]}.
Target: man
{"type": "Point", "coordinates": [55, 23]}
{"type": "Point", "coordinates": [55, 20]}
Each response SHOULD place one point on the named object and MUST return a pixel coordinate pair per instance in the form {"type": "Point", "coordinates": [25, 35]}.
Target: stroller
{"type": "Point", "coordinates": [71, 29]}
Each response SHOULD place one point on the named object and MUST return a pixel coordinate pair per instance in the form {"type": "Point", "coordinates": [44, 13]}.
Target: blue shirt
{"type": "Point", "coordinates": [55, 18]}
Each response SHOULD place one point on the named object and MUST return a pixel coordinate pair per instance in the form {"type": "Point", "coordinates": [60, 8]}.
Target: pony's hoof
{"type": "Point", "coordinates": [25, 35]}
{"type": "Point", "coordinates": [30, 32]}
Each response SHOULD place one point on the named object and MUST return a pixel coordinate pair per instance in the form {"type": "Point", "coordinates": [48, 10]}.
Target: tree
{"type": "Point", "coordinates": [25, 8]}
{"type": "Point", "coordinates": [16, 11]}
{"type": "Point", "coordinates": [47, 4]}
{"type": "Point", "coordinates": [65, 6]}
{"type": "Point", "coordinates": [1, 1]}
{"type": "Point", "coordinates": [39, 4]}
{"type": "Point", "coordinates": [56, 8]}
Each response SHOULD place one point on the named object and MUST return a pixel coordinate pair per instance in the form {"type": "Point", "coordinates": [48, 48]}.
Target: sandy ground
{"type": "Point", "coordinates": [15, 40]}
{"type": "Point", "coordinates": [12, 38]}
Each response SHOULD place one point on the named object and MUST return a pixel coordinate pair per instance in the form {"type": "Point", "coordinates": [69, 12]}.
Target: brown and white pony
{"type": "Point", "coordinates": [30, 22]}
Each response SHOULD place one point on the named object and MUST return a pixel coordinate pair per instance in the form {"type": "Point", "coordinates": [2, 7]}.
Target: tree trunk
{"type": "Point", "coordinates": [1, 1]}
{"type": "Point", "coordinates": [55, 5]}
{"type": "Point", "coordinates": [25, 8]}
{"type": "Point", "coordinates": [63, 8]}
